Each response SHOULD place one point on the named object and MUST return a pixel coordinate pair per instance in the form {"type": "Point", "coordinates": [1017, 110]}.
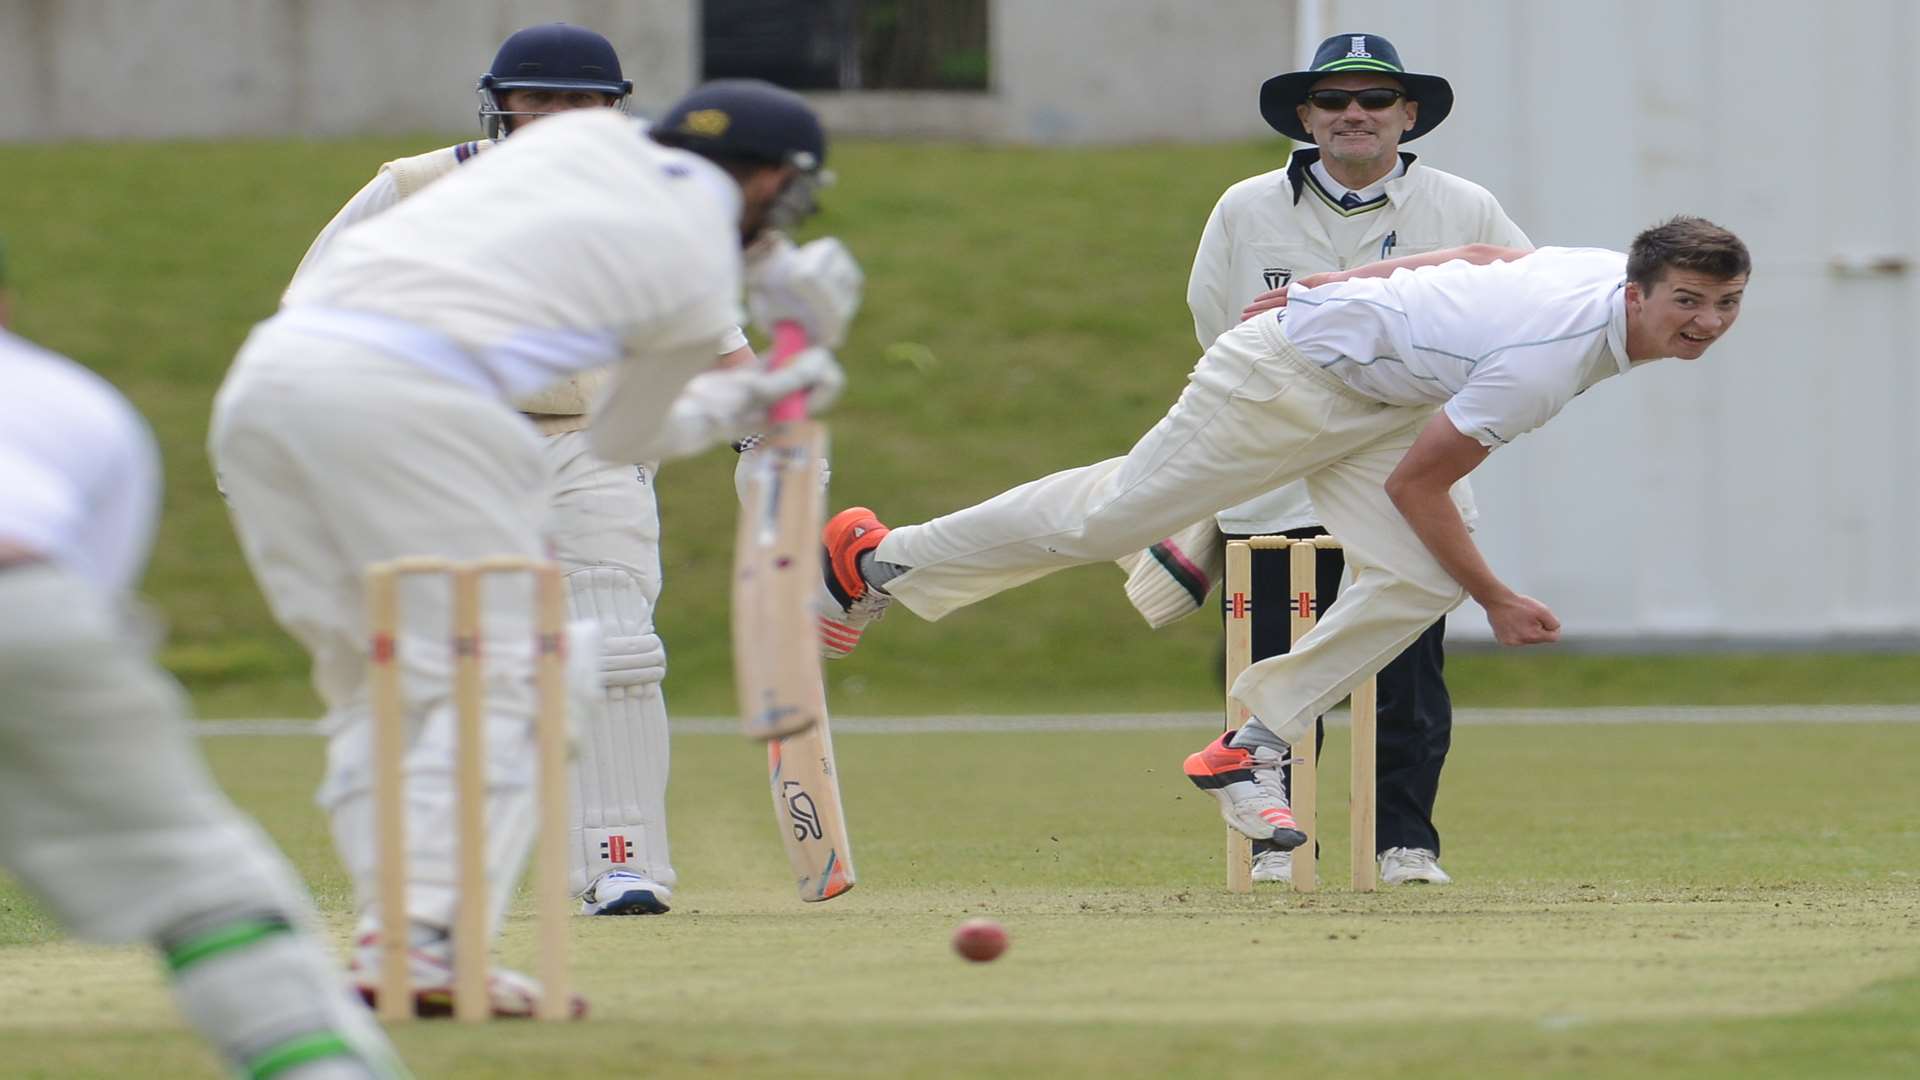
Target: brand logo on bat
{"type": "Point", "coordinates": [800, 808]}
{"type": "Point", "coordinates": [1277, 276]}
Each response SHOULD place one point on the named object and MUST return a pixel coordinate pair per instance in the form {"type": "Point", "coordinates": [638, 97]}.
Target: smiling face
{"type": "Point", "coordinates": [1354, 140]}
{"type": "Point", "coordinates": [1681, 313]}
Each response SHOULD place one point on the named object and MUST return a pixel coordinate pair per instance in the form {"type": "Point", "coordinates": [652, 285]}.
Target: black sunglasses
{"type": "Point", "coordinates": [1373, 99]}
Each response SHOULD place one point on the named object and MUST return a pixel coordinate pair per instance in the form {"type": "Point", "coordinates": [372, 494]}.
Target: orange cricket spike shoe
{"type": "Point", "coordinates": [1247, 785]}
{"type": "Point", "coordinates": [847, 603]}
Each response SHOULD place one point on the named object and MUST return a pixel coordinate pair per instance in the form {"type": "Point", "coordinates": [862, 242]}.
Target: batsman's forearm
{"type": "Point", "coordinates": [1435, 519]}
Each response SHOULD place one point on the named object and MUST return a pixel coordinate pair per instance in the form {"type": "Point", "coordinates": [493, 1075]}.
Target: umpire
{"type": "Point", "coordinates": [1351, 198]}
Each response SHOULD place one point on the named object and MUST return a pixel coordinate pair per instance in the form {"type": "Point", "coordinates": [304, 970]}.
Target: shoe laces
{"type": "Point", "coordinates": [1415, 857]}
{"type": "Point", "coordinates": [870, 607]}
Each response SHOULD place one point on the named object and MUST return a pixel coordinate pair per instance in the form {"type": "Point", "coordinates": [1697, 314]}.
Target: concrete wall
{"type": "Point", "coordinates": [1064, 71]}
{"type": "Point", "coordinates": [1068, 72]}
{"type": "Point", "coordinates": [114, 69]}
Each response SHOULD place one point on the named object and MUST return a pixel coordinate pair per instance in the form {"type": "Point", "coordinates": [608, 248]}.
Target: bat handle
{"type": "Point", "coordinates": [788, 339]}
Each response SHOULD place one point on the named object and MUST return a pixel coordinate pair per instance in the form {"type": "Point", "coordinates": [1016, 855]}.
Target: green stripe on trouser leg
{"type": "Point", "coordinates": [236, 936]}
{"type": "Point", "coordinates": [296, 1052]}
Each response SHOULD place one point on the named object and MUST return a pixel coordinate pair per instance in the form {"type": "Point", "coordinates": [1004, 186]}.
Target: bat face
{"type": "Point", "coordinates": [776, 567]}
{"type": "Point", "coordinates": [806, 803]}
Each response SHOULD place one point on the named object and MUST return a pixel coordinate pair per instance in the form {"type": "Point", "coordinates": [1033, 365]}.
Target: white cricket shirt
{"type": "Point", "coordinates": [573, 245]}
{"type": "Point", "coordinates": [79, 474]}
{"type": "Point", "coordinates": [1504, 346]}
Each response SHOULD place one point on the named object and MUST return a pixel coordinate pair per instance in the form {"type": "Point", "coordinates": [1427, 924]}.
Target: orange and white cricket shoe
{"type": "Point", "coordinates": [846, 604]}
{"type": "Point", "coordinates": [1246, 783]}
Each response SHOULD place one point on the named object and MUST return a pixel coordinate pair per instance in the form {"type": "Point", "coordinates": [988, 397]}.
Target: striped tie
{"type": "Point", "coordinates": [1349, 201]}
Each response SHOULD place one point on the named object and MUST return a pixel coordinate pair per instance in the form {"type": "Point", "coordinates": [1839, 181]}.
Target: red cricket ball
{"type": "Point", "coordinates": [980, 940]}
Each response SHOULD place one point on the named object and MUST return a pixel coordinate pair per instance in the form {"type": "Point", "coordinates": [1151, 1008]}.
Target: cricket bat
{"type": "Point", "coordinates": [776, 567]}
{"type": "Point", "coordinates": [777, 653]}
{"type": "Point", "coordinates": [806, 803]}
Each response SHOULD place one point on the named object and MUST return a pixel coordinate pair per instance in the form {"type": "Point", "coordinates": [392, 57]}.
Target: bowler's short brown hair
{"type": "Point", "coordinates": [1686, 243]}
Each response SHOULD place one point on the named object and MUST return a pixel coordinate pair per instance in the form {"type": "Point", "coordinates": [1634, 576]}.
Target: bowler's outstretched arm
{"type": "Point", "coordinates": [1418, 487]}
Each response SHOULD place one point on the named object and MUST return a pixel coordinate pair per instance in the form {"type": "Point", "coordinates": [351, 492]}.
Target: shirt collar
{"type": "Point", "coordinates": [1617, 326]}
{"type": "Point", "coordinates": [1367, 194]}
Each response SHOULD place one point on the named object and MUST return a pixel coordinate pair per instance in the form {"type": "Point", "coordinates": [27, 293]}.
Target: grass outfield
{"type": "Point", "coordinates": [1025, 311]}
{"type": "Point", "coordinates": [1644, 901]}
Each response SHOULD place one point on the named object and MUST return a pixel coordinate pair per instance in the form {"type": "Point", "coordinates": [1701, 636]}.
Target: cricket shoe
{"type": "Point", "coordinates": [840, 627]}
{"type": "Point", "coordinates": [510, 995]}
{"type": "Point", "coordinates": [1412, 866]}
{"type": "Point", "coordinates": [1271, 864]}
{"type": "Point", "coordinates": [848, 604]}
{"type": "Point", "coordinates": [623, 892]}
{"type": "Point", "coordinates": [1251, 800]}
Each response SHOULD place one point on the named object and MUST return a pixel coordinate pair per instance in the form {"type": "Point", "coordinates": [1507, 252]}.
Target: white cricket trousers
{"type": "Point", "coordinates": [107, 811]}
{"type": "Point", "coordinates": [334, 456]}
{"type": "Point", "coordinates": [1255, 415]}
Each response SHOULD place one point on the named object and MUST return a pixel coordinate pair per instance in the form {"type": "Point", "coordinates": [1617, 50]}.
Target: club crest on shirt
{"type": "Point", "coordinates": [1277, 276]}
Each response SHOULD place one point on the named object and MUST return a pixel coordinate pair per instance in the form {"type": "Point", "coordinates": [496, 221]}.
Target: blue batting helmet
{"type": "Point", "coordinates": [553, 56]}
{"type": "Point", "coordinates": [746, 118]}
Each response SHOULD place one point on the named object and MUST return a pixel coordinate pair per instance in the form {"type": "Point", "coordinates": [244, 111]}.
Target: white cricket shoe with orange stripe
{"type": "Point", "coordinates": [840, 627]}
{"type": "Point", "coordinates": [1245, 783]}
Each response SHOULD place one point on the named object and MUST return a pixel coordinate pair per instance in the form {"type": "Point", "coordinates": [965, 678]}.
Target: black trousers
{"type": "Point", "coordinates": [1415, 712]}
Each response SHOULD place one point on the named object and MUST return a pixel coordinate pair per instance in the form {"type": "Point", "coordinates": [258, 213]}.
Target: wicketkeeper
{"type": "Point", "coordinates": [605, 527]}
{"type": "Point", "coordinates": [371, 419]}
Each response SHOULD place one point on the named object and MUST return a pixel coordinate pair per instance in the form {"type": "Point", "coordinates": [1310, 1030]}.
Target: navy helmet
{"type": "Point", "coordinates": [746, 119]}
{"type": "Point", "coordinates": [553, 56]}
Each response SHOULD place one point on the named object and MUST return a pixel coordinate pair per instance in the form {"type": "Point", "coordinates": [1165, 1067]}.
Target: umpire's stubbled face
{"type": "Point", "coordinates": [1352, 133]}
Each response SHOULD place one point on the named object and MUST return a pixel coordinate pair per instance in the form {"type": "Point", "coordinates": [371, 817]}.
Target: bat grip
{"type": "Point", "coordinates": [788, 339]}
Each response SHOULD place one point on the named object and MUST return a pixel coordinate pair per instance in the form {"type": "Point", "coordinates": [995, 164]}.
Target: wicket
{"type": "Point", "coordinates": [390, 743]}
{"type": "Point", "coordinates": [1304, 795]}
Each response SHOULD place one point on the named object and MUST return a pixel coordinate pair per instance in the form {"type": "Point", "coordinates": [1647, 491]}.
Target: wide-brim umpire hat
{"type": "Point", "coordinates": [1282, 95]}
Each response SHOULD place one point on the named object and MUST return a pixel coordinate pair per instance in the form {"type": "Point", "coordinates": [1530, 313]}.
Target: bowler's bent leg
{"type": "Point", "coordinates": [1248, 421]}
{"type": "Point", "coordinates": [1398, 590]}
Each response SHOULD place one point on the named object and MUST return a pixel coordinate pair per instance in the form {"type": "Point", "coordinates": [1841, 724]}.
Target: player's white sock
{"type": "Point", "coordinates": [1253, 735]}
{"type": "Point", "coordinates": [876, 573]}
{"type": "Point", "coordinates": [268, 997]}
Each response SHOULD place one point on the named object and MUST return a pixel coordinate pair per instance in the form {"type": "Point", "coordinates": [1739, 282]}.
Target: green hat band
{"type": "Point", "coordinates": [1359, 64]}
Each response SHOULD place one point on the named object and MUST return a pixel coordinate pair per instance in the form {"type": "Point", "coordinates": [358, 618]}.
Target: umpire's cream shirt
{"type": "Point", "coordinates": [1259, 237]}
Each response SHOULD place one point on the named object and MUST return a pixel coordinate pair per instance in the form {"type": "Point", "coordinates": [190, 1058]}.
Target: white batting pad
{"type": "Point", "coordinates": [620, 774]}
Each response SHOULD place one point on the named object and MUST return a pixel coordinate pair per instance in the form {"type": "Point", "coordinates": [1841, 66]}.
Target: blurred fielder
{"type": "Point", "coordinates": [96, 766]}
{"type": "Point", "coordinates": [1350, 199]}
{"type": "Point", "coordinates": [1383, 387]}
{"type": "Point", "coordinates": [371, 419]}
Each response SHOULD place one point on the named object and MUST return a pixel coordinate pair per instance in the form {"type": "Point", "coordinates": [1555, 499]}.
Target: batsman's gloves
{"type": "Point", "coordinates": [816, 285]}
{"type": "Point", "coordinates": [716, 406]}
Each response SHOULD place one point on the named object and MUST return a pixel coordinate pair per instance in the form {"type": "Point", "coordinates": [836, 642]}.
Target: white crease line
{"type": "Point", "coordinates": [921, 725]}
